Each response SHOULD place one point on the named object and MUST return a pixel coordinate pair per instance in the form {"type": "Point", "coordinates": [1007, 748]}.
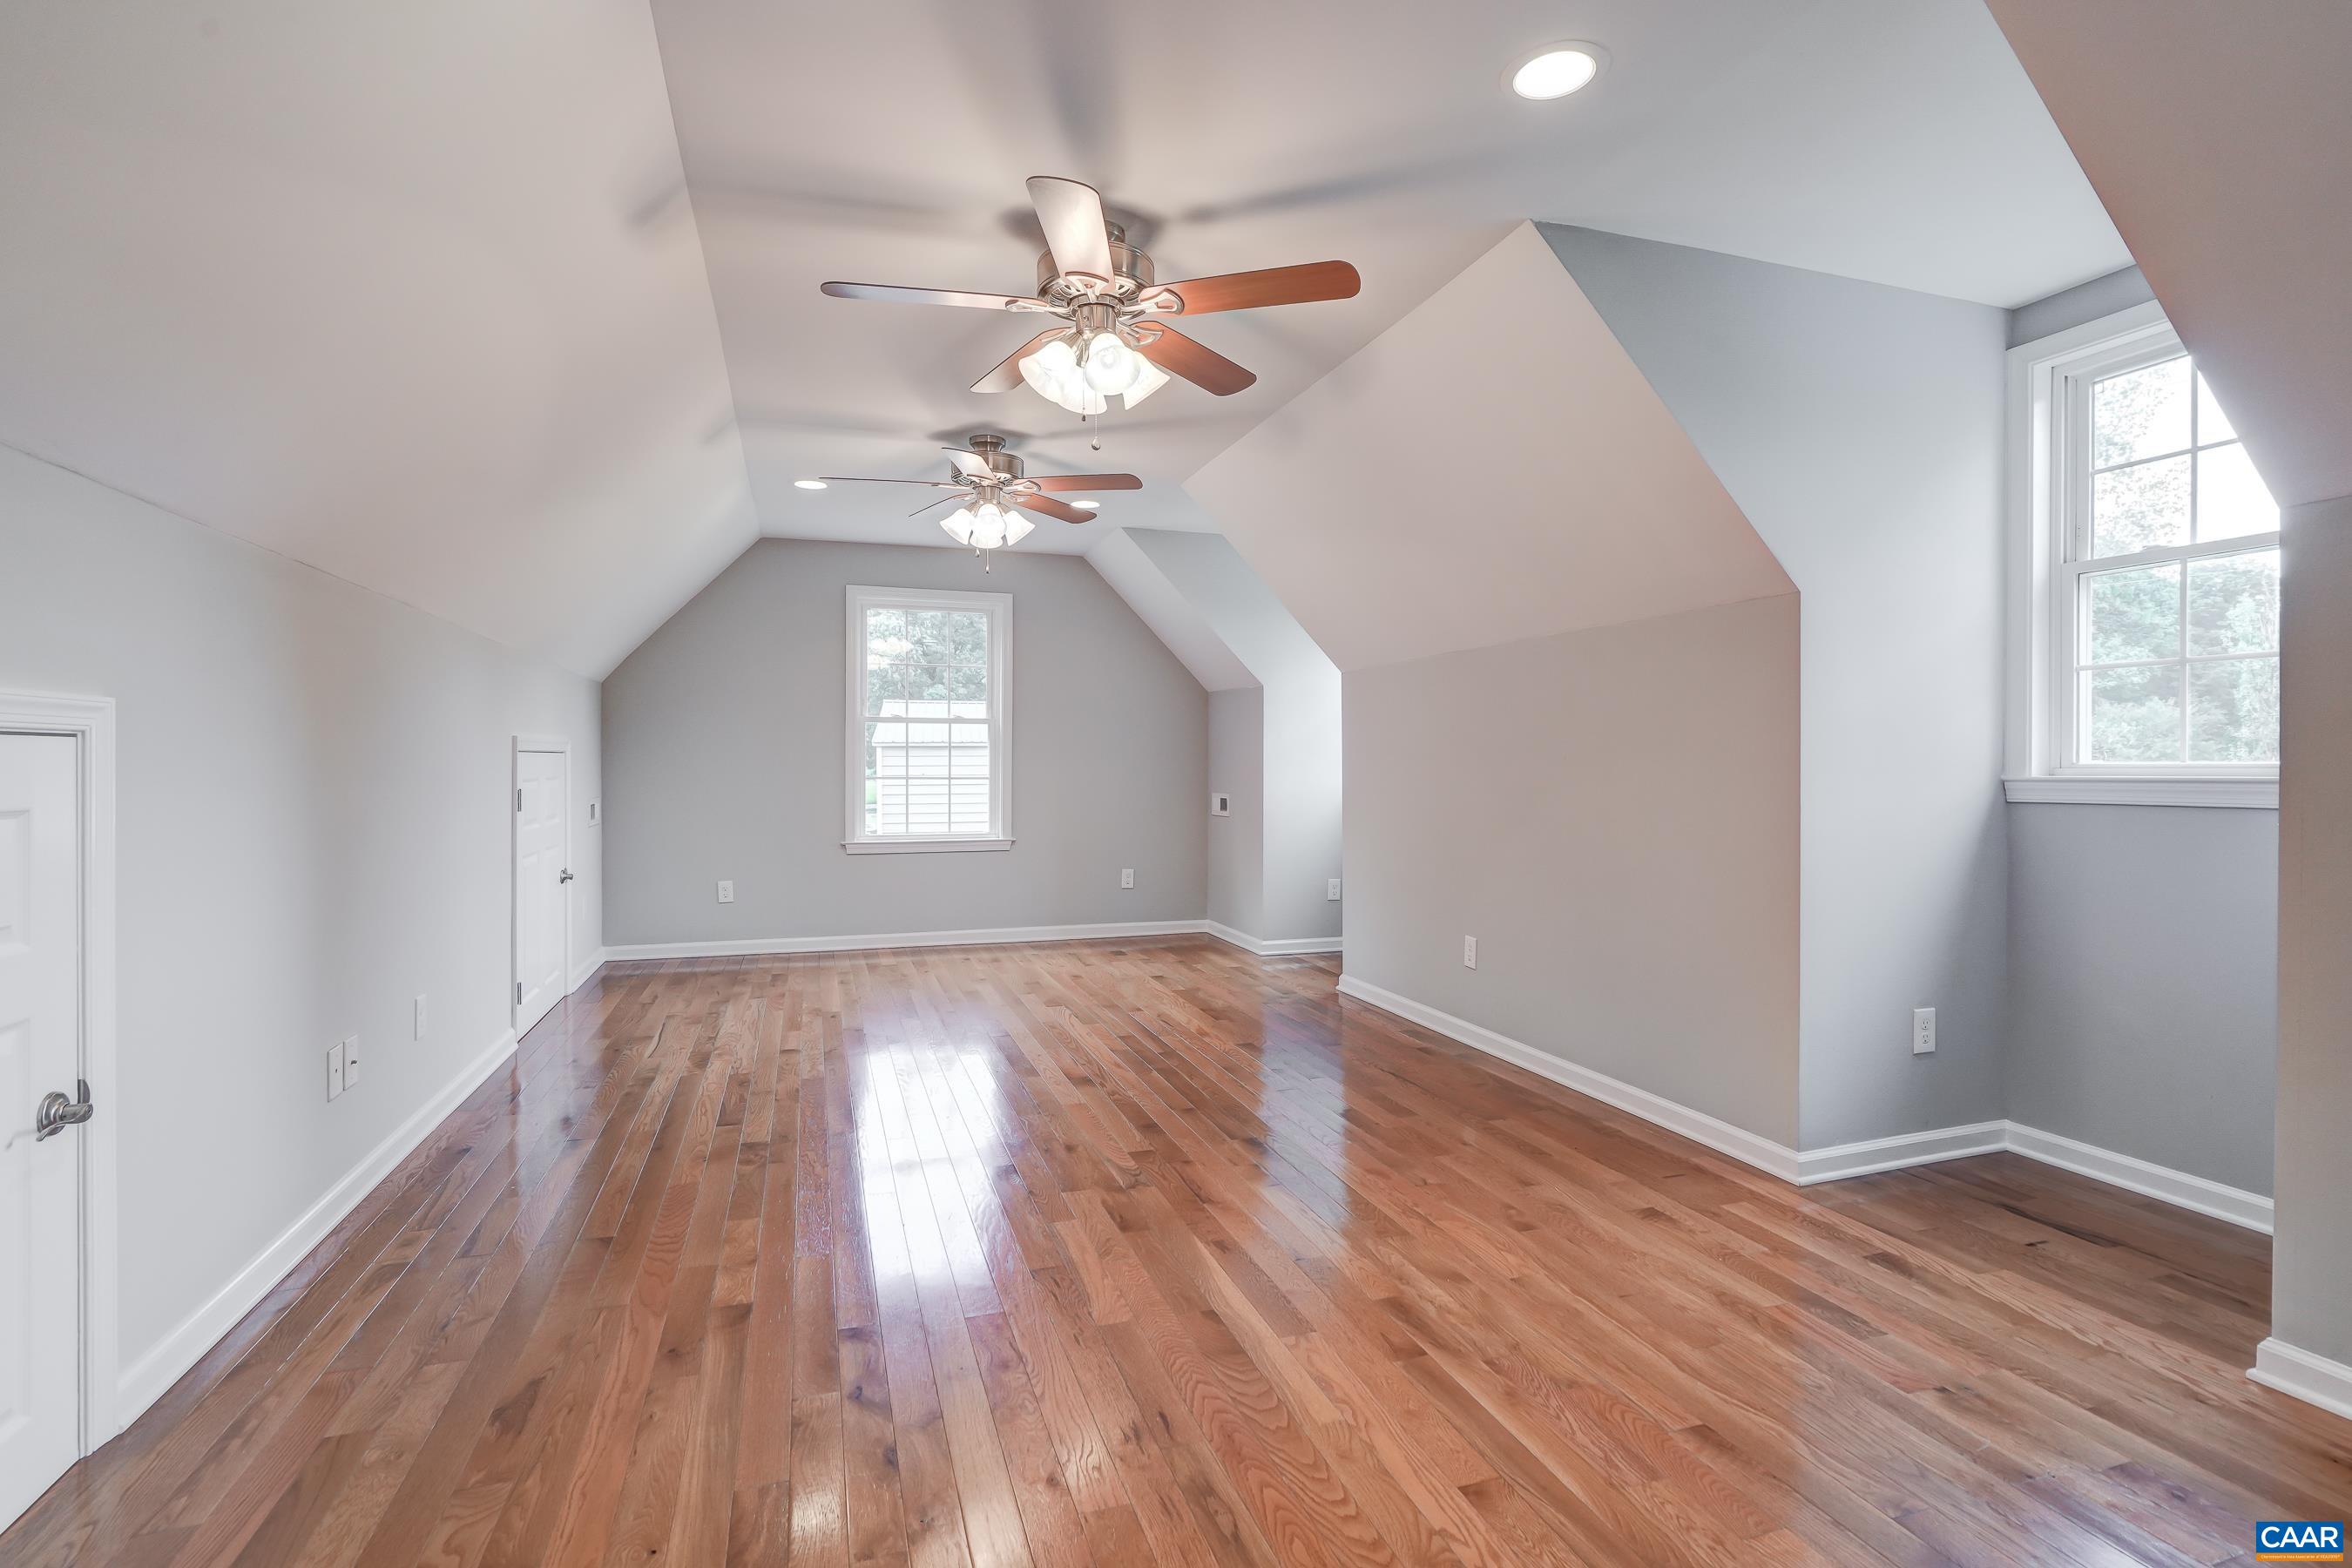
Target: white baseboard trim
{"type": "Point", "coordinates": [1281, 947]}
{"type": "Point", "coordinates": [754, 946]}
{"type": "Point", "coordinates": [1721, 1136]}
{"type": "Point", "coordinates": [2176, 1187]}
{"type": "Point", "coordinates": [150, 1377]}
{"type": "Point", "coordinates": [2313, 1379]}
{"type": "Point", "coordinates": [1900, 1152]}
{"type": "Point", "coordinates": [586, 969]}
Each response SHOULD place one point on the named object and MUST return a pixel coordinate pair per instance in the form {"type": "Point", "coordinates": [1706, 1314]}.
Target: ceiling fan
{"type": "Point", "coordinates": [1111, 336]}
{"type": "Point", "coordinates": [995, 487]}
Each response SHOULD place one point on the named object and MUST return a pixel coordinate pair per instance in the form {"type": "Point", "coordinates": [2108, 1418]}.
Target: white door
{"type": "Point", "coordinates": [542, 894]}
{"type": "Point", "coordinates": [40, 1178]}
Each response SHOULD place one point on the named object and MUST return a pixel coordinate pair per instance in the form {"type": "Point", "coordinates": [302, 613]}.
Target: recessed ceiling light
{"type": "Point", "coordinates": [1557, 70]}
{"type": "Point", "coordinates": [1087, 505]}
{"type": "Point", "coordinates": [808, 484]}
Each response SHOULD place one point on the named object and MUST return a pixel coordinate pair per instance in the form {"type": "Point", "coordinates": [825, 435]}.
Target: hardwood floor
{"type": "Point", "coordinates": [1155, 1252]}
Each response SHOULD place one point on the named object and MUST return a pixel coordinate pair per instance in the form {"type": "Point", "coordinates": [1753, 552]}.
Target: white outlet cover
{"type": "Point", "coordinates": [351, 1062]}
{"type": "Point", "coordinates": [1126, 877]}
{"type": "Point", "coordinates": [1331, 889]}
{"type": "Point", "coordinates": [1469, 952]}
{"type": "Point", "coordinates": [335, 1070]}
{"type": "Point", "coordinates": [1923, 1031]}
{"type": "Point", "coordinates": [726, 892]}
{"type": "Point", "coordinates": [420, 1015]}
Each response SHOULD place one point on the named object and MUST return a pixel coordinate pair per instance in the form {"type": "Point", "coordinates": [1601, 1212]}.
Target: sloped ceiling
{"type": "Point", "coordinates": [2218, 135]}
{"type": "Point", "coordinates": [1492, 468]}
{"type": "Point", "coordinates": [428, 296]}
{"type": "Point", "coordinates": [1174, 616]}
{"type": "Point", "coordinates": [405, 293]}
{"type": "Point", "coordinates": [888, 141]}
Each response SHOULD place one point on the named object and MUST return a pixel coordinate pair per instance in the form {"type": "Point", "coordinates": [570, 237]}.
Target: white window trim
{"type": "Point", "coordinates": [998, 607]}
{"type": "Point", "coordinates": [2036, 505]}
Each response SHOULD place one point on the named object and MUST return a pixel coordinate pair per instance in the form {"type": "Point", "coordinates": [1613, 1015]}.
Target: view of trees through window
{"type": "Point", "coordinates": [2178, 592]}
{"type": "Point", "coordinates": [927, 729]}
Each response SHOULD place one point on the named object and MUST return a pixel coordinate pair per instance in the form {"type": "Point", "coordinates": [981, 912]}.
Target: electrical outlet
{"type": "Point", "coordinates": [1469, 952]}
{"type": "Point", "coordinates": [351, 1062]}
{"type": "Point", "coordinates": [335, 1070]}
{"type": "Point", "coordinates": [1331, 889]}
{"type": "Point", "coordinates": [726, 892]}
{"type": "Point", "coordinates": [420, 1015]}
{"type": "Point", "coordinates": [1922, 1030]}
{"type": "Point", "coordinates": [1126, 877]}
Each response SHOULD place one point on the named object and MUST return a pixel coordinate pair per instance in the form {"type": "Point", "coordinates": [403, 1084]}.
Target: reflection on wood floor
{"type": "Point", "coordinates": [1155, 1252]}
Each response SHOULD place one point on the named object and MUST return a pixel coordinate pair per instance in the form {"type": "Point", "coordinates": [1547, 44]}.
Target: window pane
{"type": "Point", "coordinates": [2142, 413]}
{"type": "Point", "coordinates": [968, 636]}
{"type": "Point", "coordinates": [2212, 425]}
{"type": "Point", "coordinates": [968, 683]}
{"type": "Point", "coordinates": [885, 636]}
{"type": "Point", "coordinates": [2140, 508]}
{"type": "Point", "coordinates": [2233, 603]}
{"type": "Point", "coordinates": [2233, 710]}
{"type": "Point", "coordinates": [2231, 500]}
{"type": "Point", "coordinates": [927, 758]}
{"type": "Point", "coordinates": [2134, 714]}
{"type": "Point", "coordinates": [2132, 615]}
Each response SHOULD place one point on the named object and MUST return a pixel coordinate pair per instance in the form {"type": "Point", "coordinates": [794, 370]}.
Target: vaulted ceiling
{"type": "Point", "coordinates": [510, 311]}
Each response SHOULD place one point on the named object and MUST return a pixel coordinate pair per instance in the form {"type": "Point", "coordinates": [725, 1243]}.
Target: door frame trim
{"type": "Point", "coordinates": [90, 722]}
{"type": "Point", "coordinates": [529, 742]}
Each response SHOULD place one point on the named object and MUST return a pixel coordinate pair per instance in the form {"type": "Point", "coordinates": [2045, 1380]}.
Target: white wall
{"type": "Point", "coordinates": [313, 828]}
{"type": "Point", "coordinates": [1613, 813]}
{"type": "Point", "coordinates": [1858, 428]}
{"type": "Point", "coordinates": [723, 744]}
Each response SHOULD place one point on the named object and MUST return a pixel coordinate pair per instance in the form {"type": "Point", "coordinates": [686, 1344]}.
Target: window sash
{"type": "Point", "coordinates": [920, 780]}
{"type": "Point", "coordinates": [2062, 429]}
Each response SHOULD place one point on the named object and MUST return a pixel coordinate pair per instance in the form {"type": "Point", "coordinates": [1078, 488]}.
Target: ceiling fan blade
{"type": "Point", "coordinates": [866, 480]}
{"type": "Point", "coordinates": [1006, 375]}
{"type": "Point", "coordinates": [970, 464]}
{"type": "Point", "coordinates": [929, 504]}
{"type": "Point", "coordinates": [1177, 355]}
{"type": "Point", "coordinates": [1086, 482]}
{"type": "Point", "coordinates": [892, 293]}
{"type": "Point", "coordinates": [1248, 290]}
{"type": "Point", "coordinates": [1072, 216]}
{"type": "Point", "coordinates": [1046, 506]}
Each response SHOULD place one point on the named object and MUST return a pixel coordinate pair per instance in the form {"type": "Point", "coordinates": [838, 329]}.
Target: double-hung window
{"type": "Point", "coordinates": [2150, 663]}
{"type": "Point", "coordinates": [929, 732]}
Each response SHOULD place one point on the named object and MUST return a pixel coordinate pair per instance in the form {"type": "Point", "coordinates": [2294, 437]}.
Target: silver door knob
{"type": "Point", "coordinates": [566, 877]}
{"type": "Point", "coordinates": [57, 1112]}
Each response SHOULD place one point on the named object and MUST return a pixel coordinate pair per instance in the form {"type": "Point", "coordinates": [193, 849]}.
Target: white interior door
{"type": "Point", "coordinates": [542, 894]}
{"type": "Point", "coordinates": [40, 1178]}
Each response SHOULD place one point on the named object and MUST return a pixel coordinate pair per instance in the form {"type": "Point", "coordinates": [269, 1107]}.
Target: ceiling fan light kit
{"type": "Point", "coordinates": [1112, 340]}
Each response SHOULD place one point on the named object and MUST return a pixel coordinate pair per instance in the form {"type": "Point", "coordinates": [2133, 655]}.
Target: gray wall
{"type": "Point", "coordinates": [313, 826]}
{"type": "Point", "coordinates": [2143, 968]}
{"type": "Point", "coordinates": [1237, 842]}
{"type": "Point", "coordinates": [724, 735]}
{"type": "Point", "coordinates": [2311, 1260]}
{"type": "Point", "coordinates": [1299, 797]}
{"type": "Point", "coordinates": [1613, 815]}
{"type": "Point", "coordinates": [2119, 290]}
{"type": "Point", "coordinates": [1860, 428]}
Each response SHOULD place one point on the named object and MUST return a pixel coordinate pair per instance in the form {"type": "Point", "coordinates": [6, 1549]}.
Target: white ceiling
{"type": "Point", "coordinates": [392, 289]}
{"type": "Point", "coordinates": [888, 141]}
{"type": "Point", "coordinates": [425, 295]}
{"type": "Point", "coordinates": [1588, 505]}
{"type": "Point", "coordinates": [2220, 137]}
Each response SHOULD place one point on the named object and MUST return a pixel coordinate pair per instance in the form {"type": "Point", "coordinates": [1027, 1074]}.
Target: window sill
{"type": "Point", "coordinates": [920, 846]}
{"type": "Point", "coordinates": [2260, 795]}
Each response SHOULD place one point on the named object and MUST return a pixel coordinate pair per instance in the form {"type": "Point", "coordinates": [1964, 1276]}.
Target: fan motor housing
{"type": "Point", "coordinates": [1132, 265]}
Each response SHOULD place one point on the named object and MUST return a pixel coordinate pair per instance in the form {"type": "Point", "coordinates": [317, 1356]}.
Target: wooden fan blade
{"type": "Point", "coordinates": [1006, 375]}
{"type": "Point", "coordinates": [1086, 482]}
{"type": "Point", "coordinates": [1071, 214]}
{"type": "Point", "coordinates": [1248, 290]}
{"type": "Point", "coordinates": [1046, 506]}
{"type": "Point", "coordinates": [866, 480]}
{"type": "Point", "coordinates": [891, 293]}
{"type": "Point", "coordinates": [1177, 355]}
